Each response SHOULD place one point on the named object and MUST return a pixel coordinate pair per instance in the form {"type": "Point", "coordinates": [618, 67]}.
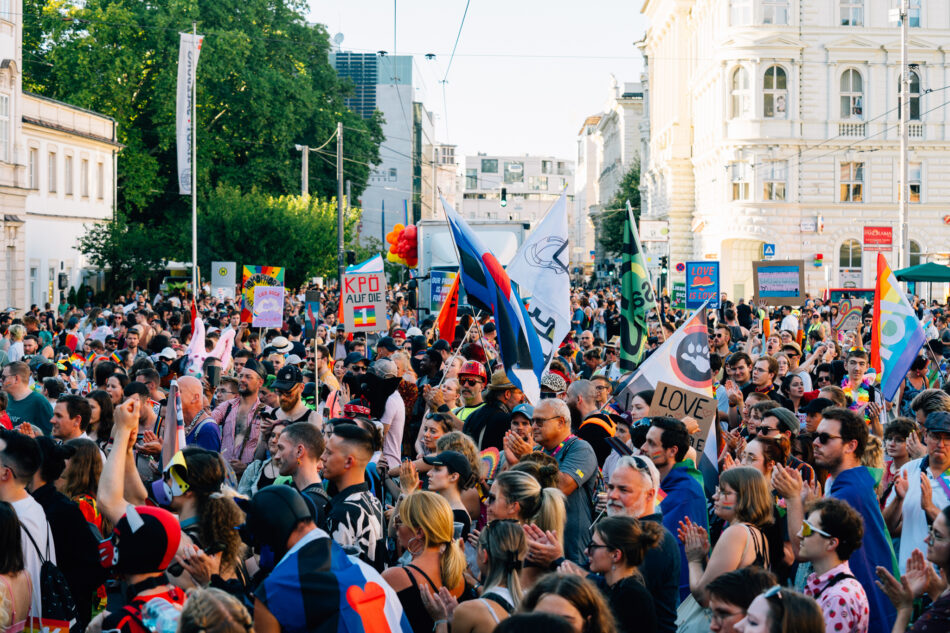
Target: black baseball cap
{"type": "Point", "coordinates": [255, 365]}
{"type": "Point", "coordinates": [454, 461]}
{"type": "Point", "coordinates": [354, 357]}
{"type": "Point", "coordinates": [287, 377]}
{"type": "Point", "coordinates": [937, 422]}
{"type": "Point", "coordinates": [441, 345]}
{"type": "Point", "coordinates": [818, 405]}
{"type": "Point", "coordinates": [387, 342]}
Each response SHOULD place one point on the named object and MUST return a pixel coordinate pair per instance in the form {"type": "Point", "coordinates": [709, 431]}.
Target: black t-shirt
{"type": "Point", "coordinates": [773, 394]}
{"type": "Point", "coordinates": [744, 315]}
{"type": "Point", "coordinates": [596, 435]}
{"type": "Point", "coordinates": [461, 516]}
{"type": "Point", "coordinates": [320, 498]}
{"type": "Point", "coordinates": [487, 425]}
{"type": "Point", "coordinates": [632, 605]}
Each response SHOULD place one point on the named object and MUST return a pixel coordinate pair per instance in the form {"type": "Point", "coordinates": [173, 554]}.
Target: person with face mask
{"type": "Point", "coordinates": [311, 584]}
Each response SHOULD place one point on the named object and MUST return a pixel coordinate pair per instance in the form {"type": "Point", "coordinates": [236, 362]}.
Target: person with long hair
{"type": "Point", "coordinates": [781, 610]}
{"type": "Point", "coordinates": [115, 387]}
{"type": "Point", "coordinates": [16, 588]}
{"type": "Point", "coordinates": [793, 388]}
{"type": "Point", "coordinates": [616, 551]}
{"type": "Point", "coordinates": [573, 598]}
{"type": "Point", "coordinates": [425, 528]}
{"type": "Point", "coordinates": [80, 481]}
{"type": "Point", "coordinates": [744, 502]}
{"type": "Point", "coordinates": [501, 551]}
{"type": "Point", "coordinates": [102, 418]}
{"type": "Point", "coordinates": [208, 516]}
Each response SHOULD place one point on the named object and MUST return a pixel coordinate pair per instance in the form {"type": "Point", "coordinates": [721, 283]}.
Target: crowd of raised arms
{"type": "Point", "coordinates": [165, 467]}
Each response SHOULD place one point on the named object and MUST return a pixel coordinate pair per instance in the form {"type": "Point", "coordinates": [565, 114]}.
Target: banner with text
{"type": "Point", "coordinates": [440, 283]}
{"type": "Point", "coordinates": [257, 276]}
{"type": "Point", "coordinates": [188, 49]}
{"type": "Point", "coordinates": [679, 403]}
{"type": "Point", "coordinates": [878, 239]}
{"type": "Point", "coordinates": [268, 306]}
{"type": "Point", "coordinates": [364, 302]}
{"type": "Point", "coordinates": [702, 284]}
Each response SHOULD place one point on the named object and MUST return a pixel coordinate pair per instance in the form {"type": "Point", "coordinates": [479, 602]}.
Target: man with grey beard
{"type": "Point", "coordinates": [631, 492]}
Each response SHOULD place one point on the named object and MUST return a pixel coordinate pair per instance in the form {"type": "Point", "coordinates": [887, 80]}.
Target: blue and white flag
{"type": "Point", "coordinates": [489, 288]}
{"type": "Point", "coordinates": [540, 268]}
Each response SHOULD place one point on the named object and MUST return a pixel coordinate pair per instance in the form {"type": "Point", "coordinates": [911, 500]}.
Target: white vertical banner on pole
{"type": "Point", "coordinates": [188, 50]}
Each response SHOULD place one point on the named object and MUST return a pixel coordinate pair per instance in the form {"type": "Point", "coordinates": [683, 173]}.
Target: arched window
{"type": "Point", "coordinates": [775, 93]}
{"type": "Point", "coordinates": [913, 95]}
{"type": "Point", "coordinates": [852, 95]}
{"type": "Point", "coordinates": [914, 254]}
{"type": "Point", "coordinates": [850, 254]}
{"type": "Point", "coordinates": [740, 94]}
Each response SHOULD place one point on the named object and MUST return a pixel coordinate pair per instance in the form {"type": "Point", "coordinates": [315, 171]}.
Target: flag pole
{"type": "Point", "coordinates": [194, 166]}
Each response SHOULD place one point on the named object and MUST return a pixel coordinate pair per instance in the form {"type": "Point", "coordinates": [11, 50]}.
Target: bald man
{"type": "Point", "coordinates": [200, 428]}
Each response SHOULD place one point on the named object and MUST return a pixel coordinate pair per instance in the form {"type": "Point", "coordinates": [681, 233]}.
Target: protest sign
{"type": "Point", "coordinates": [440, 283]}
{"type": "Point", "coordinates": [364, 302]}
{"type": "Point", "coordinates": [311, 309]}
{"type": "Point", "coordinates": [680, 403]}
{"type": "Point", "coordinates": [779, 282]}
{"type": "Point", "coordinates": [702, 284]}
{"type": "Point", "coordinates": [257, 276]}
{"type": "Point", "coordinates": [268, 306]}
{"type": "Point", "coordinates": [223, 279]}
{"type": "Point", "coordinates": [849, 315]}
{"type": "Point", "coordinates": [679, 295]}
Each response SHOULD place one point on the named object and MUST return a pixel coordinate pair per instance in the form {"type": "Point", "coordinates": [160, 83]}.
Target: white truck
{"type": "Point", "coordinates": [437, 252]}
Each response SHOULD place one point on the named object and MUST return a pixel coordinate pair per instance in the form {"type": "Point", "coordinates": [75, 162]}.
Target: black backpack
{"type": "Point", "coordinates": [59, 612]}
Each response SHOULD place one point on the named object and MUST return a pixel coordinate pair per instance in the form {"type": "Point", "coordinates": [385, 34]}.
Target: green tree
{"type": "Point", "coordinates": [264, 84]}
{"type": "Point", "coordinates": [126, 251]}
{"type": "Point", "coordinates": [610, 223]}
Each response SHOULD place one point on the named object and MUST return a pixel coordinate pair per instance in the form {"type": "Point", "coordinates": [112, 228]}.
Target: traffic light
{"type": "Point", "coordinates": [664, 264]}
{"type": "Point", "coordinates": [350, 258]}
{"type": "Point", "coordinates": [504, 196]}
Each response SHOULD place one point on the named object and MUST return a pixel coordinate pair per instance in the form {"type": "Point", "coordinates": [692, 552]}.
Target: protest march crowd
{"type": "Point", "coordinates": [165, 467]}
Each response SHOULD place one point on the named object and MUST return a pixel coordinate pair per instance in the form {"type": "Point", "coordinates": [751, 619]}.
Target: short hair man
{"type": "Point", "coordinates": [631, 492]}
{"type": "Point", "coordinates": [590, 425]}
{"type": "Point", "coordinates": [299, 455]}
{"type": "Point", "coordinates": [24, 404]}
{"type": "Point", "coordinates": [666, 444]}
{"type": "Point", "coordinates": [70, 417]}
{"type": "Point", "coordinates": [831, 532]}
{"type": "Point", "coordinates": [839, 445]}
{"type": "Point", "coordinates": [354, 514]}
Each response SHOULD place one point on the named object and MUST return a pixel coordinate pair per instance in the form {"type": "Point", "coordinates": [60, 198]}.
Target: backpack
{"type": "Point", "coordinates": [59, 613]}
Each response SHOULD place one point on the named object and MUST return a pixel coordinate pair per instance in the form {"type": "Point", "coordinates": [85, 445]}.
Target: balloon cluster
{"type": "Point", "coordinates": [403, 245]}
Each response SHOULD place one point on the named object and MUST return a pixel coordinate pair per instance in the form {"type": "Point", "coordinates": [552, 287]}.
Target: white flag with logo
{"type": "Point", "coordinates": [188, 50]}
{"type": "Point", "coordinates": [540, 268]}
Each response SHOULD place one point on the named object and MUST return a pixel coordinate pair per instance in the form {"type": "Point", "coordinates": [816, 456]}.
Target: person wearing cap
{"type": "Point", "coordinates": [793, 352]}
{"type": "Point", "coordinates": [782, 422]}
{"type": "Point", "coordinates": [385, 347]}
{"type": "Point", "coordinates": [553, 385]}
{"type": "Point", "coordinates": [240, 418]}
{"type": "Point", "coordinates": [450, 475]}
{"type": "Point", "coordinates": [472, 379]}
{"type": "Point", "coordinates": [288, 385]}
{"type": "Point", "coordinates": [487, 425]}
{"type": "Point", "coordinates": [913, 504]}
{"type": "Point", "coordinates": [611, 367]}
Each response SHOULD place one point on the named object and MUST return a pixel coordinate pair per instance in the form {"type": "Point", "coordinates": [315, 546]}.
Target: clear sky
{"type": "Point", "coordinates": [526, 72]}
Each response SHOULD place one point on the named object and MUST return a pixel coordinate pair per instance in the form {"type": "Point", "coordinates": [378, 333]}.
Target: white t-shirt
{"type": "Point", "coordinates": [395, 418]}
{"type": "Point", "coordinates": [790, 323]}
{"type": "Point", "coordinates": [914, 526]}
{"type": "Point", "coordinates": [33, 520]}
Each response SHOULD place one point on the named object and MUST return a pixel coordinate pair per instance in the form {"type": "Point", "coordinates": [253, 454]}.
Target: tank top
{"type": "Point", "coordinates": [411, 600]}
{"type": "Point", "coordinates": [761, 551]}
{"type": "Point", "coordinates": [15, 625]}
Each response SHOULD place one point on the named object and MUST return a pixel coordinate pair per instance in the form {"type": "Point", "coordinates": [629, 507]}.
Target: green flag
{"type": "Point", "coordinates": [637, 298]}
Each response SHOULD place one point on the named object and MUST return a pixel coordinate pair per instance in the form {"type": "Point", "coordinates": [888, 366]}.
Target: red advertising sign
{"type": "Point", "coordinates": [878, 238]}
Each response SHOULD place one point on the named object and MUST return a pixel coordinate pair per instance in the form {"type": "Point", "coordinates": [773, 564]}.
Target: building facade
{"type": "Point", "coordinates": [586, 196]}
{"type": "Point", "coordinates": [773, 124]}
{"type": "Point", "coordinates": [57, 175]}
{"type": "Point", "coordinates": [532, 184]}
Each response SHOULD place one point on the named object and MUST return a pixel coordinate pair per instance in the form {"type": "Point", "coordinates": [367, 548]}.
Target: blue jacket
{"type": "Point", "coordinates": [684, 498]}
{"type": "Point", "coordinates": [856, 486]}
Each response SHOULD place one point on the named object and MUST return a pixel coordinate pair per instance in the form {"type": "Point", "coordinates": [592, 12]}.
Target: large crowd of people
{"type": "Point", "coordinates": [165, 467]}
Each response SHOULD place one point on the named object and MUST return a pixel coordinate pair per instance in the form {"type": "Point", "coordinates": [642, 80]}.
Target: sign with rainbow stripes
{"type": "Point", "coordinates": [257, 276]}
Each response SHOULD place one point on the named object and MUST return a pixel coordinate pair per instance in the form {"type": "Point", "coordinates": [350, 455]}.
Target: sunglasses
{"type": "Point", "coordinates": [824, 438]}
{"type": "Point", "coordinates": [808, 529]}
{"type": "Point", "coordinates": [469, 382]}
{"type": "Point", "coordinates": [359, 369]}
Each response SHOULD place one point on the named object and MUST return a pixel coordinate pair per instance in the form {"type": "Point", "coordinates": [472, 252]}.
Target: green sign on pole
{"type": "Point", "coordinates": [679, 295]}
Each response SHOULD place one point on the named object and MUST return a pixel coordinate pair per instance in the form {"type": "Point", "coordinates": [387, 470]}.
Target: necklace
{"type": "Point", "coordinates": [859, 395]}
{"type": "Point", "coordinates": [191, 425]}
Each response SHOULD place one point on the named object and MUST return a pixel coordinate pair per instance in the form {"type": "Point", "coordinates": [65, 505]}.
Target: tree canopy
{"type": "Point", "coordinates": [264, 84]}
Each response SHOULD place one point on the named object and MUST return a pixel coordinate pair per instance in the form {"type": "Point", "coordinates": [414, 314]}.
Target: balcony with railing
{"type": "Point", "coordinates": [853, 129]}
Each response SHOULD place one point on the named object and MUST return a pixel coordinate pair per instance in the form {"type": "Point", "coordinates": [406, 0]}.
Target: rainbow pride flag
{"type": "Point", "coordinates": [115, 358]}
{"type": "Point", "coordinates": [896, 332]}
{"type": "Point", "coordinates": [77, 361]}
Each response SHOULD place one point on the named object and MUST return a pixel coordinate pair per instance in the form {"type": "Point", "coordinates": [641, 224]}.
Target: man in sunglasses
{"type": "Point", "coordinates": [829, 534]}
{"type": "Point", "coordinates": [921, 489]}
{"type": "Point", "coordinates": [720, 339]}
{"type": "Point", "coordinates": [839, 445]}
{"type": "Point", "coordinates": [289, 387]}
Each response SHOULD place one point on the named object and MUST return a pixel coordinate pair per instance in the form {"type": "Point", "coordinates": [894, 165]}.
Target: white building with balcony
{"type": "Point", "coordinates": [531, 183]}
{"type": "Point", "coordinates": [776, 122]}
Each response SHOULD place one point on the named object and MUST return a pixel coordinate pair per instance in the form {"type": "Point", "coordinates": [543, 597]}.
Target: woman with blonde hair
{"type": "Point", "coordinates": [17, 333]}
{"type": "Point", "coordinates": [425, 528]}
{"type": "Point", "coordinates": [502, 548]}
{"type": "Point", "coordinates": [214, 611]}
{"type": "Point", "coordinates": [744, 502]}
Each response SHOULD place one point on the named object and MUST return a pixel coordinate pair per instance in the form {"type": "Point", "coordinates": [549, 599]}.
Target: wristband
{"type": "Point", "coordinates": [556, 563]}
{"type": "Point", "coordinates": [443, 408]}
{"type": "Point", "coordinates": [436, 624]}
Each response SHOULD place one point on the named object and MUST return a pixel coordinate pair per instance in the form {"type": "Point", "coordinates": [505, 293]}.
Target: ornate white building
{"type": "Point", "coordinates": [776, 122]}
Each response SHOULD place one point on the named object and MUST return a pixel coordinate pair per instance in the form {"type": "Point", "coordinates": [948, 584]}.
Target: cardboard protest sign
{"type": "Point", "coordinates": [268, 306]}
{"type": "Point", "coordinates": [677, 402]}
{"type": "Point", "coordinates": [440, 283]}
{"type": "Point", "coordinates": [223, 279]}
{"type": "Point", "coordinates": [257, 276]}
{"type": "Point", "coordinates": [779, 282]}
{"type": "Point", "coordinates": [364, 302]}
{"type": "Point", "coordinates": [849, 315]}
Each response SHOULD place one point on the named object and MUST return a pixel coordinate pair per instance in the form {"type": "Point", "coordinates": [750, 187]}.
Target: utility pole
{"type": "Point", "coordinates": [304, 169]}
{"type": "Point", "coordinates": [195, 290]}
{"type": "Point", "coordinates": [903, 249]}
{"type": "Point", "coordinates": [339, 201]}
